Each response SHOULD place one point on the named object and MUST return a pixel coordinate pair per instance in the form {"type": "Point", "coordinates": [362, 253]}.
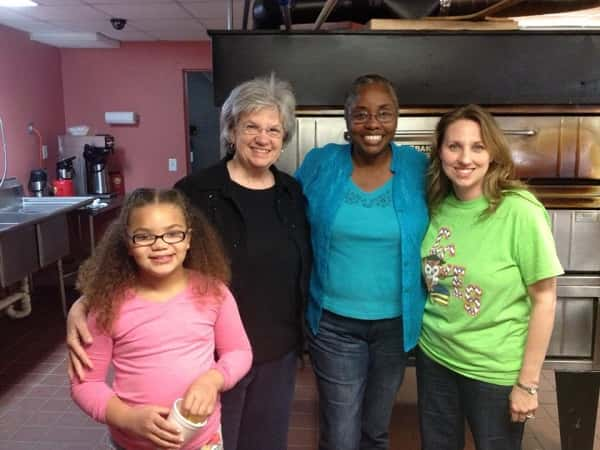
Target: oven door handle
{"type": "Point", "coordinates": [413, 133]}
{"type": "Point", "coordinates": [520, 132]}
{"type": "Point", "coordinates": [429, 133]}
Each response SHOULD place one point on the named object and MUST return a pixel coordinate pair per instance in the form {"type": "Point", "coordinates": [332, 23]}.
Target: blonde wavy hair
{"type": "Point", "coordinates": [105, 278]}
{"type": "Point", "coordinates": [501, 172]}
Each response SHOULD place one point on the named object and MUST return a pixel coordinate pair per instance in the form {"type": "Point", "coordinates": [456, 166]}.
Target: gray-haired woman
{"type": "Point", "coordinates": [260, 214]}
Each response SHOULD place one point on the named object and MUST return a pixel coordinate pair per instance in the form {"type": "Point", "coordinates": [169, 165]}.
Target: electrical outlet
{"type": "Point", "coordinates": [172, 165]}
{"type": "Point", "coordinates": [44, 152]}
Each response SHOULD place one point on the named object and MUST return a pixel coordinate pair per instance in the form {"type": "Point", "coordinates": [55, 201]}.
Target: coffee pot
{"type": "Point", "coordinates": [65, 169]}
{"type": "Point", "coordinates": [97, 175]}
{"type": "Point", "coordinates": [38, 182]}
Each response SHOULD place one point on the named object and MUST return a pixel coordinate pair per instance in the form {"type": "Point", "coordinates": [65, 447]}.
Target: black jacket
{"type": "Point", "coordinates": [210, 190]}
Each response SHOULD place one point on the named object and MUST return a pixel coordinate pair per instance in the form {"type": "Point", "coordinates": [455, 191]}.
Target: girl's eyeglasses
{"type": "Point", "coordinates": [148, 239]}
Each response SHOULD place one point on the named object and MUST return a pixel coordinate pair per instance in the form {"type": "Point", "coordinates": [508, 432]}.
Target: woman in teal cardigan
{"type": "Point", "coordinates": [368, 216]}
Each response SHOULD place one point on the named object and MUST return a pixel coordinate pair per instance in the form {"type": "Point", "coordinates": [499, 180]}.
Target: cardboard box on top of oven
{"type": "Point", "coordinates": [442, 24]}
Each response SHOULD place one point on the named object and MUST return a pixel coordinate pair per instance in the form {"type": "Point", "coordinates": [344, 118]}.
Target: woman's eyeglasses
{"type": "Point", "coordinates": [252, 129]}
{"type": "Point", "coordinates": [382, 116]}
{"type": "Point", "coordinates": [148, 239]}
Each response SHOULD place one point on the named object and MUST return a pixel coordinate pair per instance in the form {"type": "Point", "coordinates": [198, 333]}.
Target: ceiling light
{"type": "Point", "coordinates": [75, 40]}
{"type": "Point", "coordinates": [17, 3]}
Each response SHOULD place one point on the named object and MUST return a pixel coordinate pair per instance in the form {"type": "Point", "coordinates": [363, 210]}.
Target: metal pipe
{"type": "Point", "coordinates": [327, 8]}
{"type": "Point", "coordinates": [61, 286]}
{"type": "Point", "coordinates": [286, 14]}
{"type": "Point", "coordinates": [230, 15]}
{"type": "Point", "coordinates": [22, 296]}
{"type": "Point", "coordinates": [246, 14]}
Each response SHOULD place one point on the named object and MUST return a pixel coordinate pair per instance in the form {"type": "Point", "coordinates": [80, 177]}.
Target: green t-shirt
{"type": "Point", "coordinates": [477, 271]}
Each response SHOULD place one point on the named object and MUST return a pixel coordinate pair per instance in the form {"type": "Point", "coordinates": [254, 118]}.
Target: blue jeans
{"type": "Point", "coordinates": [255, 414]}
{"type": "Point", "coordinates": [359, 365]}
{"type": "Point", "coordinates": [446, 399]}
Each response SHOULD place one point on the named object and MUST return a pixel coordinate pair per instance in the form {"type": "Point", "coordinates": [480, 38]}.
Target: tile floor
{"type": "Point", "coordinates": [36, 412]}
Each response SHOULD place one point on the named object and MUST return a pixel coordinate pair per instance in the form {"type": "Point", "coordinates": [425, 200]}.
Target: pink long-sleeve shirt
{"type": "Point", "coordinates": [158, 350]}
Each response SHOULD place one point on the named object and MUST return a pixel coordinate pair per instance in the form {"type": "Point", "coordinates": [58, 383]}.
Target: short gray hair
{"type": "Point", "coordinates": [358, 84]}
{"type": "Point", "coordinates": [254, 95]}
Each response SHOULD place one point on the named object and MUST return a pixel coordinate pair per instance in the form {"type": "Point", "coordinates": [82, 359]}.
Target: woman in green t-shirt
{"type": "Point", "coordinates": [489, 263]}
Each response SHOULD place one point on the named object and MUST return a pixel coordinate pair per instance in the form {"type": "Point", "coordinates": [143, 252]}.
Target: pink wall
{"type": "Point", "coordinates": [147, 78]}
{"type": "Point", "coordinates": [30, 91]}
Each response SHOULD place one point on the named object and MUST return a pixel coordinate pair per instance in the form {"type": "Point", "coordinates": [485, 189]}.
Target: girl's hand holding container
{"type": "Point", "coordinates": [149, 422]}
{"type": "Point", "coordinates": [189, 424]}
{"type": "Point", "coordinates": [190, 413]}
{"type": "Point", "coordinates": [201, 397]}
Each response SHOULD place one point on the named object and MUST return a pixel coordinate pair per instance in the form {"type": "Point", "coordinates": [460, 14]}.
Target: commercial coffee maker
{"type": "Point", "coordinates": [91, 154]}
{"type": "Point", "coordinates": [95, 162]}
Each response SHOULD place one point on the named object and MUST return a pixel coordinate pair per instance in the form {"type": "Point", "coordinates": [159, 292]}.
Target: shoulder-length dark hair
{"type": "Point", "coordinates": [500, 175]}
{"type": "Point", "coordinates": [105, 278]}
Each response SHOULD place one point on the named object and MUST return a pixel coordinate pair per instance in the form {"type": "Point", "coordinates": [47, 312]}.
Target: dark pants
{"type": "Point", "coordinates": [359, 366]}
{"type": "Point", "coordinates": [255, 414]}
{"type": "Point", "coordinates": [114, 446]}
{"type": "Point", "coordinates": [446, 399]}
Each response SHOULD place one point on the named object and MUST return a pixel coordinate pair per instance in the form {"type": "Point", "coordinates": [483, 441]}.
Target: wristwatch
{"type": "Point", "coordinates": [531, 390]}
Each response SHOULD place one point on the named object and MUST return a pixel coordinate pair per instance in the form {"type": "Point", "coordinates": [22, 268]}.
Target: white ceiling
{"type": "Point", "coordinates": [182, 20]}
{"type": "Point", "coordinates": [147, 20]}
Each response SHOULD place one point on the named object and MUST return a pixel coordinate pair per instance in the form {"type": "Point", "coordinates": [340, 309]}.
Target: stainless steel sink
{"type": "Point", "coordinates": [33, 233]}
{"type": "Point", "coordinates": [26, 210]}
{"type": "Point", "coordinates": [57, 201]}
{"type": "Point", "coordinates": [51, 204]}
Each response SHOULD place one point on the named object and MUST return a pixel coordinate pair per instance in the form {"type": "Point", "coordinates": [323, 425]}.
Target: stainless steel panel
{"type": "Point", "coordinates": [329, 129]}
{"type": "Point", "coordinates": [52, 237]}
{"type": "Point", "coordinates": [416, 131]}
{"type": "Point", "coordinates": [574, 337]}
{"type": "Point", "coordinates": [589, 148]}
{"type": "Point", "coordinates": [18, 254]}
{"type": "Point", "coordinates": [573, 331]}
{"type": "Point", "coordinates": [578, 281]}
{"type": "Point", "coordinates": [311, 132]}
{"type": "Point", "coordinates": [577, 237]}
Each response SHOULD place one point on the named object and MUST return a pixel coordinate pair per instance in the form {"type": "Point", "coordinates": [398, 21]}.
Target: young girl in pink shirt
{"type": "Point", "coordinates": [161, 313]}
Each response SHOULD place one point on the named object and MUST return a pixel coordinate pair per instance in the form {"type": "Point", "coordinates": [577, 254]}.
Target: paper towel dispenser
{"type": "Point", "coordinates": [120, 118]}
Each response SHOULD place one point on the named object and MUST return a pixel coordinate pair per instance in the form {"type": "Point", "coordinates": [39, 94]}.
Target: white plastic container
{"type": "Point", "coordinates": [189, 429]}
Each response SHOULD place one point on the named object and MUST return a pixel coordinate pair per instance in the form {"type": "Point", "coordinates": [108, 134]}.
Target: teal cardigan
{"type": "Point", "coordinates": [324, 175]}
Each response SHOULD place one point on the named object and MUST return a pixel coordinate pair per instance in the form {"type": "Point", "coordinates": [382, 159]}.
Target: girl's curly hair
{"type": "Point", "coordinates": [105, 278]}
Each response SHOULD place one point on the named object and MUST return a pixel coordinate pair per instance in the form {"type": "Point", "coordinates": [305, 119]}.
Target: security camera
{"type": "Point", "coordinates": [118, 24]}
